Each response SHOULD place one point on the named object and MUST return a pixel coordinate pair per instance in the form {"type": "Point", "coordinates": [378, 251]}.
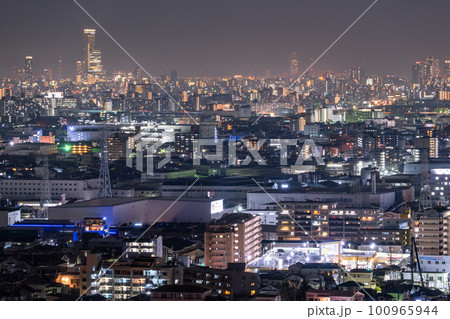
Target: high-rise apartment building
{"type": "Point", "coordinates": [431, 70]}
{"type": "Point", "coordinates": [138, 75]}
{"type": "Point", "coordinates": [235, 238]}
{"type": "Point", "coordinates": [79, 71]}
{"type": "Point", "coordinates": [431, 144]}
{"type": "Point", "coordinates": [417, 72]}
{"type": "Point", "coordinates": [323, 221]}
{"type": "Point", "coordinates": [430, 231]}
{"type": "Point", "coordinates": [425, 72]}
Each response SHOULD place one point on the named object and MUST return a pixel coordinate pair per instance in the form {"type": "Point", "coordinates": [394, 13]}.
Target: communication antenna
{"type": "Point", "coordinates": [45, 193]}
{"type": "Point", "coordinates": [104, 184]}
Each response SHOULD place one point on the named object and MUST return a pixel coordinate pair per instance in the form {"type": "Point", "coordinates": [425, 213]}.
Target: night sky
{"type": "Point", "coordinates": [211, 37]}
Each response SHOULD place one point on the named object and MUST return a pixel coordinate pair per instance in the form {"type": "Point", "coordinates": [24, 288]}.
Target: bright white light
{"type": "Point", "coordinates": [372, 246]}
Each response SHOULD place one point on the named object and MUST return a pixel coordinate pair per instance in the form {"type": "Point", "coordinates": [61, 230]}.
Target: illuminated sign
{"type": "Point", "coordinates": [403, 225]}
{"type": "Point", "coordinates": [217, 206]}
{"type": "Point", "coordinates": [440, 171]}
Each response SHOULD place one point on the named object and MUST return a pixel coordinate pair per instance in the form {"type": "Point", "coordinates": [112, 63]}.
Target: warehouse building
{"type": "Point", "coordinates": [139, 210]}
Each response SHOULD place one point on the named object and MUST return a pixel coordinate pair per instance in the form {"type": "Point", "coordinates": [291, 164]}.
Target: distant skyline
{"type": "Point", "coordinates": [212, 38]}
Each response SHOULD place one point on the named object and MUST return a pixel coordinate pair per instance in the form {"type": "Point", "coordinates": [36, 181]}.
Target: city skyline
{"type": "Point", "coordinates": [188, 39]}
{"type": "Point", "coordinates": [226, 151]}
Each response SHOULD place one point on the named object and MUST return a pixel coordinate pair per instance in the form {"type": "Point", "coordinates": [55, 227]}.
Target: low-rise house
{"type": "Point", "coordinates": [269, 293]}
{"type": "Point", "coordinates": [333, 295]}
{"type": "Point", "coordinates": [433, 279]}
{"type": "Point", "coordinates": [179, 292]}
{"type": "Point", "coordinates": [362, 276]}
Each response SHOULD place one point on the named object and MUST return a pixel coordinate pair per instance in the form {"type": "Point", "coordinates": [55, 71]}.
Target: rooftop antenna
{"type": "Point", "coordinates": [45, 193]}
{"type": "Point", "coordinates": [104, 183]}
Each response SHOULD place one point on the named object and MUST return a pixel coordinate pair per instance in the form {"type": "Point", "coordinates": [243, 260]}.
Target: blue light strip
{"type": "Point", "coordinates": [42, 225]}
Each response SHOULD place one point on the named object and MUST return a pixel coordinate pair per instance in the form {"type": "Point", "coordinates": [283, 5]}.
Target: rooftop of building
{"type": "Point", "coordinates": [332, 190]}
{"type": "Point", "coordinates": [338, 293]}
{"type": "Point", "coordinates": [116, 201]}
{"type": "Point", "coordinates": [176, 243]}
{"type": "Point", "coordinates": [320, 265]}
{"type": "Point", "coordinates": [231, 219]}
{"type": "Point", "coordinates": [213, 181]}
{"type": "Point", "coordinates": [181, 289]}
{"type": "Point", "coordinates": [360, 271]}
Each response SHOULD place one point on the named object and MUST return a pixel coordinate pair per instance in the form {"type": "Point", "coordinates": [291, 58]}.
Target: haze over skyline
{"type": "Point", "coordinates": [211, 38]}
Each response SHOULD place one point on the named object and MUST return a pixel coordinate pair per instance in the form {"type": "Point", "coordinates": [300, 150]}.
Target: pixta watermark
{"type": "Point", "coordinates": [225, 151]}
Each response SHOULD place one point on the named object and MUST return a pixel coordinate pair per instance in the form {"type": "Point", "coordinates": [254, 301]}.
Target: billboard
{"type": "Point", "coordinates": [403, 225]}
{"type": "Point", "coordinates": [217, 206]}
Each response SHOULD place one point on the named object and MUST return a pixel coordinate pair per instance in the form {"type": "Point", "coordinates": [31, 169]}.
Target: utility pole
{"type": "Point", "coordinates": [414, 256]}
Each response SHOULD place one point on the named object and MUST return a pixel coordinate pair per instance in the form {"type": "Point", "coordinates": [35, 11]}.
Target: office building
{"type": "Point", "coordinates": [293, 64]}
{"type": "Point", "coordinates": [93, 57]}
{"type": "Point", "coordinates": [28, 71]}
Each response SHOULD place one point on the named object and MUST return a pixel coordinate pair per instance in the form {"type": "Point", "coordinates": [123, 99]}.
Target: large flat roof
{"type": "Point", "coordinates": [102, 202]}
{"type": "Point", "coordinates": [333, 190]}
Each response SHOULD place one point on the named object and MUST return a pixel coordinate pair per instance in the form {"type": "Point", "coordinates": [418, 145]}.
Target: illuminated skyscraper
{"type": "Point", "coordinates": [184, 96]}
{"type": "Point", "coordinates": [417, 72]}
{"type": "Point", "coordinates": [173, 76]}
{"type": "Point", "coordinates": [447, 68]}
{"type": "Point", "coordinates": [47, 77]}
{"type": "Point", "coordinates": [89, 35]}
{"type": "Point", "coordinates": [59, 70]}
{"type": "Point", "coordinates": [356, 74]}
{"type": "Point", "coordinates": [79, 72]}
{"type": "Point", "coordinates": [28, 71]}
{"type": "Point", "coordinates": [293, 63]}
{"type": "Point", "coordinates": [138, 75]}
{"type": "Point", "coordinates": [431, 68]}
{"type": "Point", "coordinates": [93, 57]}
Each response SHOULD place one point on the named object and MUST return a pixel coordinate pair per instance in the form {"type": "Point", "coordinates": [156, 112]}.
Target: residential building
{"type": "Point", "coordinates": [179, 292]}
{"type": "Point", "coordinates": [333, 295]}
{"type": "Point", "coordinates": [232, 282]}
{"type": "Point", "coordinates": [235, 238]}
